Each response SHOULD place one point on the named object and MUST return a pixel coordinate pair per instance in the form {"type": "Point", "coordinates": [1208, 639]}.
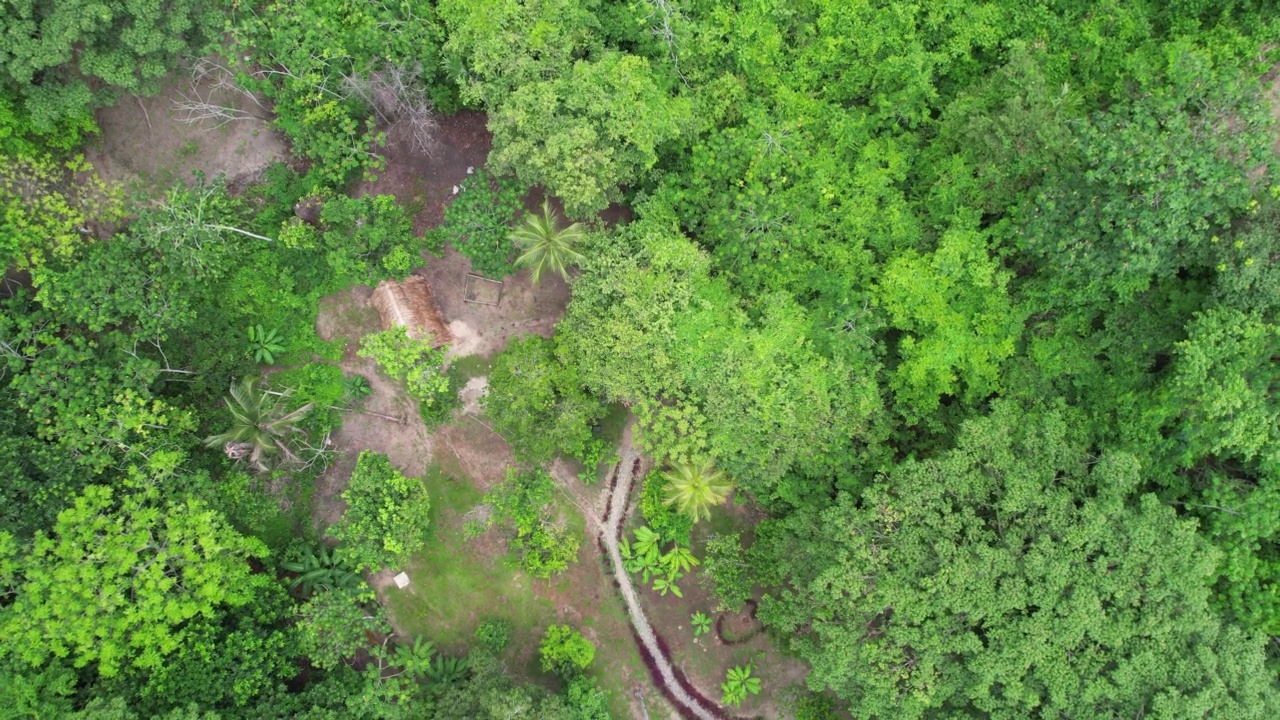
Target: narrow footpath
{"type": "Point", "coordinates": [611, 531]}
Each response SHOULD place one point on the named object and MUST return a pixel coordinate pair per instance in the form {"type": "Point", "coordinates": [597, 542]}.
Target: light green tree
{"type": "Point", "coordinates": [565, 651]}
{"type": "Point", "coordinates": [585, 134]}
{"type": "Point", "coordinates": [411, 361]}
{"type": "Point", "coordinates": [545, 247]}
{"type": "Point", "coordinates": [116, 579]}
{"type": "Point", "coordinates": [334, 624]}
{"type": "Point", "coordinates": [386, 518]}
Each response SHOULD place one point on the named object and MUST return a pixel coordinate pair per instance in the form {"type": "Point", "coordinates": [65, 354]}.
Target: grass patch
{"type": "Point", "coordinates": [454, 586]}
{"type": "Point", "coordinates": [470, 366]}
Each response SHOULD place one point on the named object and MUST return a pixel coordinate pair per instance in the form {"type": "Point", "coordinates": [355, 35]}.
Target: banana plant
{"type": "Point", "coordinates": [648, 543]}
{"type": "Point", "coordinates": [737, 684]}
{"type": "Point", "coordinates": [355, 389]}
{"type": "Point", "coordinates": [448, 670]}
{"type": "Point", "coordinates": [679, 558]}
{"type": "Point", "coordinates": [321, 571]}
{"type": "Point", "coordinates": [264, 345]}
{"type": "Point", "coordinates": [664, 584]}
{"type": "Point", "coordinates": [701, 623]}
{"type": "Point", "coordinates": [647, 563]}
{"type": "Point", "coordinates": [415, 659]}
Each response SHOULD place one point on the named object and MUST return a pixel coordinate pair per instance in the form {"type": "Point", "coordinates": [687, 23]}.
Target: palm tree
{"type": "Point", "coordinates": [544, 246]}
{"type": "Point", "coordinates": [260, 425]}
{"type": "Point", "coordinates": [696, 487]}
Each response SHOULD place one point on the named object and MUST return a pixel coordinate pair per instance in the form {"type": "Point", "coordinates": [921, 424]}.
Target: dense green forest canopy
{"type": "Point", "coordinates": [974, 301]}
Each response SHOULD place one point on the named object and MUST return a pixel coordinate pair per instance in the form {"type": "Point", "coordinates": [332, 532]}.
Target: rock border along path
{"type": "Point", "coordinates": [612, 529]}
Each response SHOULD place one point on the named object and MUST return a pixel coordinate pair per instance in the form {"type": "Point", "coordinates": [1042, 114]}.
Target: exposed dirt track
{"type": "Point", "coordinates": [653, 647]}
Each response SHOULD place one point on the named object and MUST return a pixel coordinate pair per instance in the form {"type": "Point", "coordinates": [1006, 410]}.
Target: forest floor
{"type": "Point", "coordinates": [146, 142]}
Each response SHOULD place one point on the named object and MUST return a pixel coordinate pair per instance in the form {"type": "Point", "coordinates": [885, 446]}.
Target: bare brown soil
{"type": "Point", "coordinates": [144, 141]}
{"type": "Point", "coordinates": [345, 317]}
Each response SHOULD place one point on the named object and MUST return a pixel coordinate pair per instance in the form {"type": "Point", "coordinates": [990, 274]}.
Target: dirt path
{"type": "Point", "coordinates": [629, 461]}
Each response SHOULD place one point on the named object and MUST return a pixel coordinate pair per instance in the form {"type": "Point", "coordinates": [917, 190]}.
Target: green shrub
{"type": "Point", "coordinates": [386, 518]}
{"type": "Point", "coordinates": [478, 222]}
{"type": "Point", "coordinates": [524, 500]}
{"type": "Point", "coordinates": [728, 571]}
{"type": "Point", "coordinates": [565, 651]}
{"type": "Point", "coordinates": [325, 55]}
{"type": "Point", "coordinates": [412, 362]}
{"type": "Point", "coordinates": [494, 634]}
{"type": "Point", "coordinates": [538, 405]}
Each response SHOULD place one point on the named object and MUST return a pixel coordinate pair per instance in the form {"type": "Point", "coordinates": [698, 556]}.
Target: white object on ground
{"type": "Point", "coordinates": [401, 580]}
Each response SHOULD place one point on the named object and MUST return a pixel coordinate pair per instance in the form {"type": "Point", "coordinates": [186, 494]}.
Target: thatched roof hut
{"type": "Point", "coordinates": [409, 304]}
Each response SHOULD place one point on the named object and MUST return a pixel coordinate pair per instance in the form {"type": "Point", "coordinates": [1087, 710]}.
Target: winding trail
{"type": "Point", "coordinates": [610, 533]}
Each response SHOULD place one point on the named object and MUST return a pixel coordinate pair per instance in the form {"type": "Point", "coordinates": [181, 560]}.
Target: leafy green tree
{"type": "Point", "coordinates": [67, 57]}
{"type": "Point", "coordinates": [545, 247]}
{"type": "Point", "coordinates": [538, 404]}
{"type": "Point", "coordinates": [47, 690]}
{"type": "Point", "coordinates": [230, 659]}
{"type": "Point", "coordinates": [413, 362]}
{"type": "Point", "coordinates": [386, 518]}
{"type": "Point", "coordinates": [489, 63]}
{"type": "Point", "coordinates": [41, 478]}
{"type": "Point", "coordinates": [648, 326]}
{"type": "Point", "coordinates": [565, 651]}
{"type": "Point", "coordinates": [958, 321]}
{"type": "Point", "coordinates": [116, 579]}
{"type": "Point", "coordinates": [262, 426]}
{"type": "Point", "coordinates": [477, 222]}
{"type": "Point", "coordinates": [586, 133]}
{"type": "Point", "coordinates": [728, 572]}
{"type": "Point", "coordinates": [696, 487]}
{"type": "Point", "coordinates": [47, 205]}
{"type": "Point", "coordinates": [1133, 205]}
{"type": "Point", "coordinates": [494, 634]}
{"type": "Point", "coordinates": [1242, 519]}
{"type": "Point", "coordinates": [1016, 560]}
{"type": "Point", "coordinates": [335, 623]}
{"type": "Point", "coordinates": [318, 64]}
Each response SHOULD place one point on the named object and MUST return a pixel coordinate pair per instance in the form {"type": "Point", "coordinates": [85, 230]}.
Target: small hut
{"type": "Point", "coordinates": [409, 304]}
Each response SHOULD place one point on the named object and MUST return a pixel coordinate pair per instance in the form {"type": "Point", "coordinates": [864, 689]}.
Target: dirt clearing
{"type": "Point", "coordinates": [144, 141]}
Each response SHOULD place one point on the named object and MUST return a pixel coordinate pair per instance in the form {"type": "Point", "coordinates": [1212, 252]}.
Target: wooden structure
{"type": "Point", "coordinates": [409, 304]}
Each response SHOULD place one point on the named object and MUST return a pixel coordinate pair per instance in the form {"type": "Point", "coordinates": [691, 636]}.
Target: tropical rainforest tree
{"type": "Point", "coordinates": [261, 427]}
{"type": "Point", "coordinates": [1015, 560]}
{"type": "Point", "coordinates": [116, 578]}
{"type": "Point", "coordinates": [66, 58]}
{"type": "Point", "coordinates": [545, 247]}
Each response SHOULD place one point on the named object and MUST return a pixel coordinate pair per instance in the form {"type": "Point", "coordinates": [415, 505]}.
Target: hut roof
{"type": "Point", "coordinates": [409, 304]}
